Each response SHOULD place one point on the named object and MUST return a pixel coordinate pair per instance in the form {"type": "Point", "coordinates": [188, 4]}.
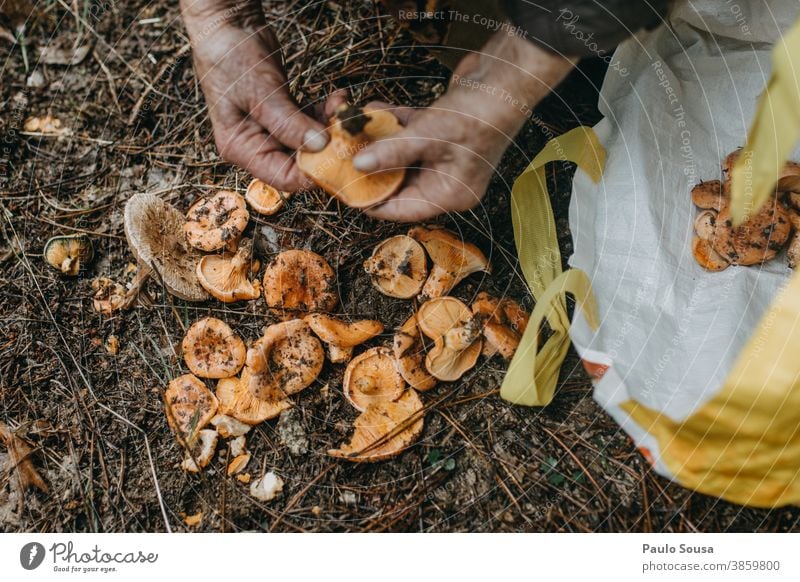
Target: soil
{"type": "Point", "coordinates": [96, 419]}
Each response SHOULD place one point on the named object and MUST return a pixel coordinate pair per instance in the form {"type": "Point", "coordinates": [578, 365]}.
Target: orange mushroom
{"type": "Point", "coordinates": [284, 361]}
{"type": "Point", "coordinates": [189, 406]}
{"type": "Point", "coordinates": [211, 349]}
{"type": "Point", "coordinates": [409, 354]}
{"type": "Point", "coordinates": [456, 336]}
{"type": "Point", "coordinates": [340, 336]}
{"type": "Point", "coordinates": [453, 259]}
{"type": "Point", "coordinates": [398, 267]}
{"type": "Point", "coordinates": [504, 322]}
{"type": "Point", "coordinates": [300, 280]}
{"type": "Point", "coordinates": [372, 377]}
{"type": "Point", "coordinates": [237, 401]}
{"type": "Point", "coordinates": [384, 430]}
{"type": "Point", "coordinates": [352, 129]}
{"type": "Point", "coordinates": [265, 199]}
{"type": "Point", "coordinates": [226, 276]}
{"type": "Point", "coordinates": [708, 195]}
{"type": "Point", "coordinates": [216, 222]}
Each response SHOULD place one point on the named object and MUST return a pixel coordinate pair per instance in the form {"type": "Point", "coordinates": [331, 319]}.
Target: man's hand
{"type": "Point", "coordinates": [459, 139]}
{"type": "Point", "coordinates": [238, 63]}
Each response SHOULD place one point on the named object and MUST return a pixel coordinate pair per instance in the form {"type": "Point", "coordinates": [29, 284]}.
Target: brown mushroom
{"type": "Point", "coordinates": [265, 199]}
{"type": "Point", "coordinates": [757, 240]}
{"type": "Point", "coordinates": [69, 254]}
{"type": "Point", "coordinates": [237, 401]}
{"type": "Point", "coordinates": [504, 322]}
{"type": "Point", "coordinates": [189, 406]}
{"type": "Point", "coordinates": [211, 349]}
{"type": "Point", "coordinates": [384, 430]}
{"type": "Point", "coordinates": [226, 276]}
{"type": "Point", "coordinates": [372, 377]}
{"type": "Point", "coordinates": [409, 354]}
{"type": "Point", "coordinates": [708, 195]}
{"type": "Point", "coordinates": [398, 267]}
{"type": "Point", "coordinates": [452, 258]}
{"type": "Point", "coordinates": [216, 222]}
{"type": "Point", "coordinates": [154, 230]}
{"type": "Point", "coordinates": [298, 280]}
{"type": "Point", "coordinates": [284, 361]}
{"type": "Point", "coordinates": [456, 336]}
{"type": "Point", "coordinates": [353, 128]}
{"type": "Point", "coordinates": [340, 336]}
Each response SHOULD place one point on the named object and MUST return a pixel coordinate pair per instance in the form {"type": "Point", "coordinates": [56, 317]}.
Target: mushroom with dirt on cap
{"type": "Point", "coordinates": [189, 406]}
{"type": "Point", "coordinates": [504, 322]}
{"type": "Point", "coordinates": [409, 354]}
{"type": "Point", "coordinates": [456, 335]}
{"type": "Point", "coordinates": [372, 377]}
{"type": "Point", "coordinates": [341, 336]}
{"type": "Point", "coordinates": [453, 259]}
{"type": "Point", "coordinates": [69, 254]}
{"type": "Point", "coordinates": [265, 199]}
{"type": "Point", "coordinates": [398, 267]}
{"type": "Point", "coordinates": [298, 280]}
{"type": "Point", "coordinates": [211, 349]}
{"type": "Point", "coordinates": [216, 222]}
{"type": "Point", "coordinates": [226, 276]}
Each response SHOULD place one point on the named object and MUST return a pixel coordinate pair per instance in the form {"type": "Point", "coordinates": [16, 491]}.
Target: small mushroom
{"type": "Point", "coordinates": [69, 254]}
{"type": "Point", "coordinates": [284, 361]}
{"type": "Point", "coordinates": [384, 430]}
{"type": "Point", "coordinates": [398, 267]}
{"type": "Point", "coordinates": [340, 336]}
{"type": "Point", "coordinates": [300, 280]}
{"type": "Point", "coordinates": [504, 322]}
{"type": "Point", "coordinates": [456, 336]}
{"type": "Point", "coordinates": [201, 452]}
{"type": "Point", "coordinates": [264, 198]}
{"type": "Point", "coordinates": [154, 230]}
{"type": "Point", "coordinates": [352, 129]}
{"type": "Point", "coordinates": [189, 406]}
{"type": "Point", "coordinates": [226, 276]}
{"type": "Point", "coordinates": [453, 259]}
{"type": "Point", "coordinates": [708, 195]}
{"type": "Point", "coordinates": [409, 354]}
{"type": "Point", "coordinates": [211, 349]}
{"type": "Point", "coordinates": [216, 222]}
{"type": "Point", "coordinates": [237, 401]}
{"type": "Point", "coordinates": [372, 377]}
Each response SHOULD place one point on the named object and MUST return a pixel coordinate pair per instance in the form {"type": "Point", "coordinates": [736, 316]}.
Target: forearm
{"type": "Point", "coordinates": [203, 17]}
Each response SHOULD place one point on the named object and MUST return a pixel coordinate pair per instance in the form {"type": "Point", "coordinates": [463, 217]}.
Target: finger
{"type": "Point", "coordinates": [400, 150]}
{"type": "Point", "coordinates": [290, 126]}
{"type": "Point", "coordinates": [333, 102]}
{"type": "Point", "coordinates": [404, 114]}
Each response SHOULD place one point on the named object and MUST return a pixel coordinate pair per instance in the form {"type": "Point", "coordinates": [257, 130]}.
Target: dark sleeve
{"type": "Point", "coordinates": [583, 28]}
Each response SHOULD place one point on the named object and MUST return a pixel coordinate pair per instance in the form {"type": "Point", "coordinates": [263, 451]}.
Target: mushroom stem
{"type": "Point", "coordinates": [440, 282]}
{"type": "Point", "coordinates": [137, 283]}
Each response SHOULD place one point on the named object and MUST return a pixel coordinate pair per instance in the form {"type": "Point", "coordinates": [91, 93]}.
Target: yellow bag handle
{"type": "Point", "coordinates": [533, 373]}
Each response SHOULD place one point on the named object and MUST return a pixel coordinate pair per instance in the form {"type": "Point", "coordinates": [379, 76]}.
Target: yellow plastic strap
{"type": "Point", "coordinates": [774, 133]}
{"type": "Point", "coordinates": [532, 376]}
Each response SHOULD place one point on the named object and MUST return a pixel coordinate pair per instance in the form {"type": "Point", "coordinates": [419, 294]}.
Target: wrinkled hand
{"type": "Point", "coordinates": [456, 142]}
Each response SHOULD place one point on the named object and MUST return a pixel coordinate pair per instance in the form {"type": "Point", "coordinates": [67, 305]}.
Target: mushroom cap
{"type": "Point", "coordinates": [211, 349]}
{"type": "Point", "coordinates": [237, 401]}
{"type": "Point", "coordinates": [706, 256]}
{"type": "Point", "coordinates": [189, 406]}
{"type": "Point", "coordinates": [708, 195]}
{"type": "Point", "coordinates": [212, 223]}
{"type": "Point", "coordinates": [453, 259]}
{"type": "Point", "coordinates": [284, 361]}
{"type": "Point", "coordinates": [456, 334]}
{"type": "Point", "coordinates": [332, 168]}
{"type": "Point", "coordinates": [372, 377]}
{"type": "Point", "coordinates": [300, 280]}
{"type": "Point", "coordinates": [154, 230]}
{"type": "Point", "coordinates": [265, 199]}
{"type": "Point", "coordinates": [705, 223]}
{"type": "Point", "coordinates": [789, 179]}
{"type": "Point", "coordinates": [384, 430]}
{"type": "Point", "coordinates": [69, 254]}
{"type": "Point", "coordinates": [409, 354]}
{"type": "Point", "coordinates": [342, 333]}
{"type": "Point", "coordinates": [757, 240]}
{"type": "Point", "coordinates": [504, 322]}
{"type": "Point", "coordinates": [226, 276]}
{"type": "Point", "coordinates": [398, 267]}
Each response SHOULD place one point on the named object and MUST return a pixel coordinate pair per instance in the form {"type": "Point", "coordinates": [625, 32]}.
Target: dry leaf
{"type": "Point", "coordinates": [51, 55]}
{"type": "Point", "coordinates": [20, 453]}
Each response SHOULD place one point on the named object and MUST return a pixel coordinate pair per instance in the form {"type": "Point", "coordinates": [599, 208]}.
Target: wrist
{"type": "Point", "coordinates": [204, 17]}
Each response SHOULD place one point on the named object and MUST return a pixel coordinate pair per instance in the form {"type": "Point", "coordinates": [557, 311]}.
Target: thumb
{"type": "Point", "coordinates": [288, 125]}
{"type": "Point", "coordinates": [400, 150]}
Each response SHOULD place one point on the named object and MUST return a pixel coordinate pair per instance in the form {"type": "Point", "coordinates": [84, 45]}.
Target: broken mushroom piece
{"type": "Point", "coordinates": [456, 336]}
{"type": "Point", "coordinates": [352, 129]}
{"type": "Point", "coordinates": [216, 222]}
{"type": "Point", "coordinates": [264, 198]}
{"type": "Point", "coordinates": [211, 349]}
{"type": "Point", "coordinates": [372, 377]}
{"type": "Point", "coordinates": [300, 280]}
{"type": "Point", "coordinates": [189, 406]}
{"type": "Point", "coordinates": [384, 430]}
{"type": "Point", "coordinates": [236, 401]}
{"type": "Point", "coordinates": [69, 254]}
{"type": "Point", "coordinates": [452, 258]}
{"type": "Point", "coordinates": [226, 276]}
{"type": "Point", "coordinates": [409, 354]}
{"type": "Point", "coordinates": [398, 267]}
{"type": "Point", "coordinates": [340, 336]}
{"type": "Point", "coordinates": [199, 455]}
{"type": "Point", "coordinates": [284, 361]}
{"type": "Point", "coordinates": [154, 230]}
{"type": "Point", "coordinates": [504, 322]}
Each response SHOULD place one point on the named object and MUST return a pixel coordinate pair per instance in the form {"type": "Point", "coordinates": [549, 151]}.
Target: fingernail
{"type": "Point", "coordinates": [365, 162]}
{"type": "Point", "coordinates": [314, 141]}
